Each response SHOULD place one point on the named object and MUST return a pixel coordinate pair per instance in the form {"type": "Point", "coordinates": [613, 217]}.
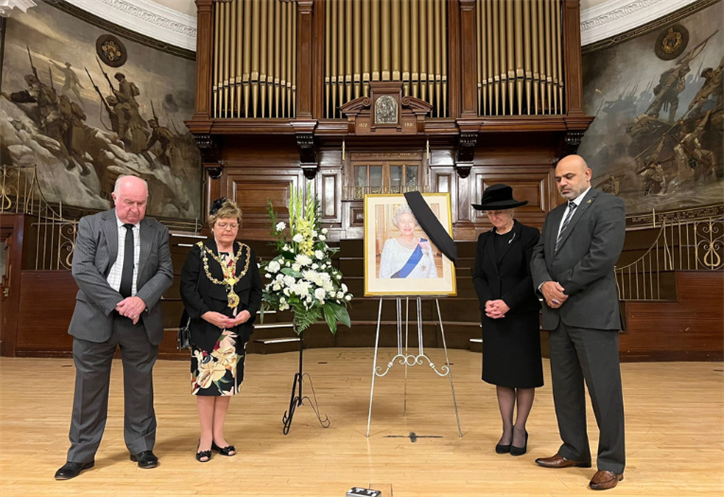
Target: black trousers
{"type": "Point", "coordinates": [579, 354]}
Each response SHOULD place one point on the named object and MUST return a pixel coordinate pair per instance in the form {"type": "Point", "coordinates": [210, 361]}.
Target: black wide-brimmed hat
{"type": "Point", "coordinates": [498, 197]}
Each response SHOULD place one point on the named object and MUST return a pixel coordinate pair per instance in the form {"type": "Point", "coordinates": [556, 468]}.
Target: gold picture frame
{"type": "Point", "coordinates": [396, 267]}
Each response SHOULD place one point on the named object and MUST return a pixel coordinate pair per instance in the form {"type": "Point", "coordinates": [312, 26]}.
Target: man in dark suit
{"type": "Point", "coordinates": [573, 268]}
{"type": "Point", "coordinates": [122, 265]}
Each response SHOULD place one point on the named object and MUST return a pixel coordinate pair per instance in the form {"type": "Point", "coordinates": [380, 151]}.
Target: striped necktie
{"type": "Point", "coordinates": [571, 209]}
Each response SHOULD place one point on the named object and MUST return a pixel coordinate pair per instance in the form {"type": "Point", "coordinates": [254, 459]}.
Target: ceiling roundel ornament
{"type": "Point", "coordinates": [671, 42]}
{"type": "Point", "coordinates": [111, 50]}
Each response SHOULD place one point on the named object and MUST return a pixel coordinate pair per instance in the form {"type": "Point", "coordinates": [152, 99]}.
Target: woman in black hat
{"type": "Point", "coordinates": [510, 307]}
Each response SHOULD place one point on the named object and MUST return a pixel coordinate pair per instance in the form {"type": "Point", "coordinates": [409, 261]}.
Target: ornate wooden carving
{"type": "Point", "coordinates": [304, 131]}
{"type": "Point", "coordinates": [468, 140]}
{"type": "Point", "coordinates": [209, 148]}
{"type": "Point", "coordinates": [571, 142]}
{"type": "Point", "coordinates": [386, 112]}
{"type": "Point", "coordinates": [210, 154]}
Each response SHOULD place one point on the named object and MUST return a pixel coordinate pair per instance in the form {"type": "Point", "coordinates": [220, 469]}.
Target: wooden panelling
{"type": "Point", "coordinates": [692, 328]}
{"type": "Point", "coordinates": [47, 300]}
{"type": "Point", "coordinates": [12, 232]}
{"type": "Point", "coordinates": [257, 169]}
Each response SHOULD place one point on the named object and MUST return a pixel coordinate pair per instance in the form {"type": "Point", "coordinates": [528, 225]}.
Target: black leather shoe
{"type": "Point", "coordinates": [145, 459]}
{"type": "Point", "coordinates": [72, 469]}
{"type": "Point", "coordinates": [224, 451]}
{"type": "Point", "coordinates": [519, 451]}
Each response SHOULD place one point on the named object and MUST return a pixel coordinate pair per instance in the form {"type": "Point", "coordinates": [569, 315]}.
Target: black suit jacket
{"type": "Point", "coordinates": [584, 262]}
{"type": "Point", "coordinates": [510, 279]}
{"type": "Point", "coordinates": [212, 297]}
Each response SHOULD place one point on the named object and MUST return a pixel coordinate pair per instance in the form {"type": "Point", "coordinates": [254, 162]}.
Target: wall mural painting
{"type": "Point", "coordinates": [84, 107]}
{"type": "Point", "coordinates": [657, 137]}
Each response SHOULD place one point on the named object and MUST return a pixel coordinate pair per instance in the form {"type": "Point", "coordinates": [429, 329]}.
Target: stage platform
{"type": "Point", "coordinates": [674, 429]}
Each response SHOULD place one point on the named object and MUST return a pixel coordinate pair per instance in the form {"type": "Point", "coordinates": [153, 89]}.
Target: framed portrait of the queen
{"type": "Point", "coordinates": [400, 259]}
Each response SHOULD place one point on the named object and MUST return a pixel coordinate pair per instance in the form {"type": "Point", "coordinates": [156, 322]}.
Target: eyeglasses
{"type": "Point", "coordinates": [225, 226]}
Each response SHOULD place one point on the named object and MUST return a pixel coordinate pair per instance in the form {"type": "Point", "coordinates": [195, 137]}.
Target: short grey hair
{"type": "Point", "coordinates": [403, 209]}
{"type": "Point", "coordinates": [120, 179]}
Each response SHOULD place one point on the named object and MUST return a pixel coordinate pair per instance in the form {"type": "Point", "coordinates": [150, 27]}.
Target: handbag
{"type": "Point", "coordinates": [183, 337]}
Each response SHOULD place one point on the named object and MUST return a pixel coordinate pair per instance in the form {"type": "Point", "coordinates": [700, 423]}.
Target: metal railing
{"type": "Point", "coordinates": [54, 235]}
{"type": "Point", "coordinates": [681, 245]}
{"type": "Point", "coordinates": [53, 231]}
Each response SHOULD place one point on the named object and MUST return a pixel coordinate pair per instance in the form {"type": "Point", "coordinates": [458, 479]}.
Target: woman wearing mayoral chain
{"type": "Point", "coordinates": [221, 291]}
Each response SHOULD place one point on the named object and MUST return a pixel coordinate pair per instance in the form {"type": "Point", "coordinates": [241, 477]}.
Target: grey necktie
{"type": "Point", "coordinates": [571, 210]}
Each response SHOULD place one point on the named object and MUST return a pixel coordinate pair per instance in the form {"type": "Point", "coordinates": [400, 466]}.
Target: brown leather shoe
{"type": "Point", "coordinates": [558, 461]}
{"type": "Point", "coordinates": [603, 480]}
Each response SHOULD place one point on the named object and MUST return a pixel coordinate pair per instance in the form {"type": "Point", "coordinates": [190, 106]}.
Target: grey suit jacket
{"type": "Point", "coordinates": [584, 262]}
{"type": "Point", "coordinates": [96, 249]}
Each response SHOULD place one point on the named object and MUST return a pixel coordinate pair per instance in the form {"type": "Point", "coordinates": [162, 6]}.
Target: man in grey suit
{"type": "Point", "coordinates": [122, 266]}
{"type": "Point", "coordinates": [573, 268]}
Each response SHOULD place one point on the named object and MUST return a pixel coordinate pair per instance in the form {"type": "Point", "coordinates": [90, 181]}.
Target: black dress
{"type": "Point", "coordinates": [511, 345]}
{"type": "Point", "coordinates": [217, 356]}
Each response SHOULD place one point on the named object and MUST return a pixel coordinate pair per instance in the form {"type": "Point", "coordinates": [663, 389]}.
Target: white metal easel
{"type": "Point", "coordinates": [407, 359]}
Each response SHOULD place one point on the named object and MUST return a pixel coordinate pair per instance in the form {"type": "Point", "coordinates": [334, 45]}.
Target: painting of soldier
{"type": "Point", "coordinates": [82, 123]}
{"type": "Point", "coordinates": [656, 140]}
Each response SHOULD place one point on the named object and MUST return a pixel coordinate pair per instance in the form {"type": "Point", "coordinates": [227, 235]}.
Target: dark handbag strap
{"type": "Point", "coordinates": [185, 318]}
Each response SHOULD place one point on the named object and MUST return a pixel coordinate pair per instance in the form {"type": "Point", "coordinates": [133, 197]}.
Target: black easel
{"type": "Point", "coordinates": [297, 398]}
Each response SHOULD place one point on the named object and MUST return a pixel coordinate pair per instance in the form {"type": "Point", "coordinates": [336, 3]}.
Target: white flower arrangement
{"type": "Point", "coordinates": [301, 276]}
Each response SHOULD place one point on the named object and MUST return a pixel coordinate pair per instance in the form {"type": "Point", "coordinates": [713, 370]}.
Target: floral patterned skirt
{"type": "Point", "coordinates": [220, 372]}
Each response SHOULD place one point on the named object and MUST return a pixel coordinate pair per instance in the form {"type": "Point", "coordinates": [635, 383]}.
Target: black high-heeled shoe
{"type": "Point", "coordinates": [224, 451]}
{"type": "Point", "coordinates": [503, 449]}
{"type": "Point", "coordinates": [519, 451]}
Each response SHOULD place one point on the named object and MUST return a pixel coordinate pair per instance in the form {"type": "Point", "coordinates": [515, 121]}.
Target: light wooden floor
{"type": "Point", "coordinates": [674, 416]}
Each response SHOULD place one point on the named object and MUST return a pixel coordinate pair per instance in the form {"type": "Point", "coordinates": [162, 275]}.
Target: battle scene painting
{"type": "Point", "coordinates": [657, 138]}
{"type": "Point", "coordinates": [82, 116]}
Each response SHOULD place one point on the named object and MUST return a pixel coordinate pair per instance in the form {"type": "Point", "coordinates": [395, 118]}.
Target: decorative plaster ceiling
{"type": "Point", "coordinates": [174, 21]}
{"type": "Point", "coordinates": [7, 6]}
{"type": "Point", "coordinates": [612, 17]}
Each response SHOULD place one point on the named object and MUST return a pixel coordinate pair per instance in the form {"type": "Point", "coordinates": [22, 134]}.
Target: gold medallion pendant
{"type": "Point", "coordinates": [233, 298]}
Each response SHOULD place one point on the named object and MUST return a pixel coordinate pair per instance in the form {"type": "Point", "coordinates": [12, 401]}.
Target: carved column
{"type": "Point", "coordinates": [305, 58]}
{"type": "Point", "coordinates": [204, 56]}
{"type": "Point", "coordinates": [454, 85]}
{"type": "Point", "coordinates": [572, 51]}
{"type": "Point", "coordinates": [469, 63]}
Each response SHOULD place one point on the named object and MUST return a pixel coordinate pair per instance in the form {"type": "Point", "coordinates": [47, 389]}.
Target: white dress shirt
{"type": "Point", "coordinates": [576, 201]}
{"type": "Point", "coordinates": [114, 277]}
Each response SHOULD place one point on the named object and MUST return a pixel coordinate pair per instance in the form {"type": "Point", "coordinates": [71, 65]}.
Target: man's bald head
{"type": "Point", "coordinates": [573, 176]}
{"type": "Point", "coordinates": [130, 196]}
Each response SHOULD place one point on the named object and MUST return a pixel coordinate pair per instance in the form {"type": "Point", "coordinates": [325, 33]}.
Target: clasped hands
{"type": "Point", "coordinates": [131, 307]}
{"type": "Point", "coordinates": [553, 294]}
{"type": "Point", "coordinates": [221, 321]}
{"type": "Point", "coordinates": [496, 309]}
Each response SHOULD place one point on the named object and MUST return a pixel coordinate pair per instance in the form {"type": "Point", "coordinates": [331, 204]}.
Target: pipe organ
{"type": "Point", "coordinates": [254, 73]}
{"type": "Point", "coordinates": [385, 40]}
{"type": "Point", "coordinates": [470, 92]}
{"type": "Point", "coordinates": [519, 63]}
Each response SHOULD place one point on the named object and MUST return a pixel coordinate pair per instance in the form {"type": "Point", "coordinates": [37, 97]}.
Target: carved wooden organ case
{"type": "Point", "coordinates": [384, 96]}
